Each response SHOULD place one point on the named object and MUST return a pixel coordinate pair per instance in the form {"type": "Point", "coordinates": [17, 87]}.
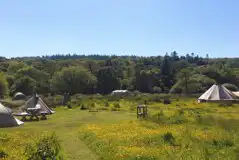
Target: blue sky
{"type": "Point", "coordinates": [139, 27]}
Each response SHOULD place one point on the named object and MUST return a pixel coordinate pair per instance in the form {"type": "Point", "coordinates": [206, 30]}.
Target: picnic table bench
{"type": "Point", "coordinates": [32, 115]}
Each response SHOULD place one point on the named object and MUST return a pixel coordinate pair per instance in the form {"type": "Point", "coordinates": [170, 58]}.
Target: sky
{"type": "Point", "coordinates": [121, 27]}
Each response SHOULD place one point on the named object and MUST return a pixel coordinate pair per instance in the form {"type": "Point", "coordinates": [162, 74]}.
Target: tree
{"type": "Point", "coordinates": [192, 87]}
{"type": "Point", "coordinates": [174, 56]}
{"type": "Point", "coordinates": [146, 74]}
{"type": "Point", "coordinates": [107, 80]}
{"type": "Point", "coordinates": [14, 66]}
{"type": "Point", "coordinates": [231, 87]}
{"type": "Point", "coordinates": [125, 83]}
{"type": "Point", "coordinates": [51, 67]}
{"type": "Point", "coordinates": [3, 66]}
{"type": "Point", "coordinates": [91, 65]}
{"type": "Point", "coordinates": [226, 70]}
{"type": "Point", "coordinates": [205, 81]}
{"type": "Point", "coordinates": [118, 65]}
{"type": "Point", "coordinates": [181, 64]}
{"type": "Point", "coordinates": [166, 74]}
{"type": "Point", "coordinates": [147, 79]}
{"type": "Point", "coordinates": [3, 85]}
{"type": "Point", "coordinates": [73, 80]}
{"type": "Point", "coordinates": [129, 72]}
{"type": "Point", "coordinates": [10, 80]}
{"type": "Point", "coordinates": [40, 77]}
{"type": "Point", "coordinates": [23, 84]}
{"type": "Point", "coordinates": [211, 72]}
{"type": "Point", "coordinates": [207, 56]}
{"type": "Point", "coordinates": [189, 82]}
{"type": "Point", "coordinates": [192, 55]}
{"type": "Point", "coordinates": [184, 76]}
{"type": "Point", "coordinates": [144, 81]}
{"type": "Point", "coordinates": [33, 73]}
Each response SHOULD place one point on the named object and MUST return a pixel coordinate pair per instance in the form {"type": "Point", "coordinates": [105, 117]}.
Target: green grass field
{"type": "Point", "coordinates": [181, 130]}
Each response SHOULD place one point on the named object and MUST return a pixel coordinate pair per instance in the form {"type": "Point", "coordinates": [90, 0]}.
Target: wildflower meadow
{"type": "Point", "coordinates": [182, 129]}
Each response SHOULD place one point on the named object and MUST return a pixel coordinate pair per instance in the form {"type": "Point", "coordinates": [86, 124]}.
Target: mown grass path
{"type": "Point", "coordinates": [76, 149]}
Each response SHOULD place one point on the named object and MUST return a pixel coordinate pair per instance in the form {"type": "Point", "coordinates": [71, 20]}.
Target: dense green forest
{"type": "Point", "coordinates": [102, 74]}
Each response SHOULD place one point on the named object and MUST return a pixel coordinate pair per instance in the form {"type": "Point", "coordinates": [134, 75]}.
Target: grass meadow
{"type": "Point", "coordinates": [180, 130]}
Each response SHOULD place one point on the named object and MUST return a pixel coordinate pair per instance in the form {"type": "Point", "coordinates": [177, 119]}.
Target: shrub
{"type": "Point", "coordinates": [169, 138]}
{"type": "Point", "coordinates": [157, 118]}
{"type": "Point", "coordinates": [180, 112]}
{"type": "Point", "coordinates": [3, 154]}
{"type": "Point", "coordinates": [69, 105]}
{"type": "Point", "coordinates": [47, 147]}
{"type": "Point", "coordinates": [231, 87]}
{"type": "Point", "coordinates": [132, 108]}
{"type": "Point", "coordinates": [223, 143]}
{"type": "Point", "coordinates": [160, 118]}
{"type": "Point", "coordinates": [135, 93]}
{"type": "Point", "coordinates": [113, 97]}
{"type": "Point", "coordinates": [92, 105]}
{"type": "Point", "coordinates": [166, 101]}
{"type": "Point", "coordinates": [53, 100]}
{"type": "Point", "coordinates": [116, 107]}
{"type": "Point", "coordinates": [84, 107]}
{"type": "Point", "coordinates": [58, 99]}
{"type": "Point", "coordinates": [74, 102]}
{"type": "Point", "coordinates": [107, 104]}
{"type": "Point", "coordinates": [156, 98]}
{"type": "Point", "coordinates": [157, 89]}
{"type": "Point", "coordinates": [176, 119]}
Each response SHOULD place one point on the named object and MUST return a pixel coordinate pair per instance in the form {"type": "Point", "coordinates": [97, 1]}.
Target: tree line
{"type": "Point", "coordinates": [90, 74]}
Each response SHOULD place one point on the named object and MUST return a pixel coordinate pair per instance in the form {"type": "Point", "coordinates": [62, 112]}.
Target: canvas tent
{"type": "Point", "coordinates": [218, 93]}
{"type": "Point", "coordinates": [7, 119]}
{"type": "Point", "coordinates": [119, 92]}
{"type": "Point", "coordinates": [36, 102]}
{"type": "Point", "coordinates": [236, 93]}
{"type": "Point", "coordinates": [19, 96]}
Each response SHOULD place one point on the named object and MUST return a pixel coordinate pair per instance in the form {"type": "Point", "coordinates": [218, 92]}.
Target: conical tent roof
{"type": "Point", "coordinates": [7, 119]}
{"type": "Point", "coordinates": [218, 93]}
{"type": "Point", "coordinates": [34, 101]}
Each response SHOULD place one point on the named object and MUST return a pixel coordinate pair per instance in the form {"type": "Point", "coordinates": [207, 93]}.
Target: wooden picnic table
{"type": "Point", "coordinates": [24, 116]}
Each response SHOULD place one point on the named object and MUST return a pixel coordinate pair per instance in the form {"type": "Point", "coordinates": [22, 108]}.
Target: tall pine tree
{"type": "Point", "coordinates": [166, 74]}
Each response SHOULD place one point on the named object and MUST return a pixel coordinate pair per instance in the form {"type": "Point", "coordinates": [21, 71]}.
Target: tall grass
{"type": "Point", "coordinates": [46, 148]}
{"type": "Point", "coordinates": [30, 146]}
